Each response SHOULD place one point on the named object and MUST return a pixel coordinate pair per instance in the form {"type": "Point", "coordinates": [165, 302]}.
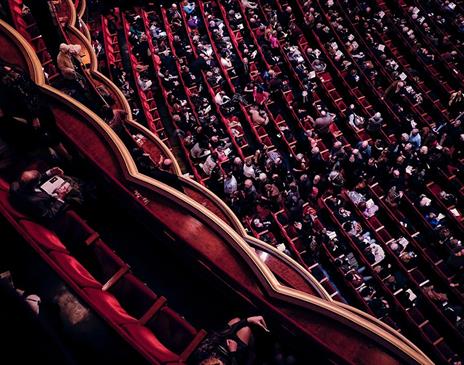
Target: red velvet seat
{"type": "Point", "coordinates": [109, 305]}
{"type": "Point", "coordinates": [101, 261]}
{"type": "Point", "coordinates": [47, 239]}
{"type": "Point", "coordinates": [75, 270]}
{"type": "Point", "coordinates": [5, 201]}
{"type": "Point", "coordinates": [4, 186]}
{"type": "Point", "coordinates": [134, 296]}
{"type": "Point", "coordinates": [150, 343]}
{"type": "Point", "coordinates": [73, 230]}
{"type": "Point", "coordinates": [172, 329]}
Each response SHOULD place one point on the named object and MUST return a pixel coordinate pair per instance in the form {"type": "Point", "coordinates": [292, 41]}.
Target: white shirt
{"type": "Point", "coordinates": [249, 171]}
{"type": "Point", "coordinates": [226, 62]}
{"type": "Point", "coordinates": [209, 165]}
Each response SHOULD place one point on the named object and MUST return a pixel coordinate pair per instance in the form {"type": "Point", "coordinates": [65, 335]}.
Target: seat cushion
{"type": "Point", "coordinates": [47, 239]}
{"type": "Point", "coordinates": [109, 305]}
{"type": "Point", "coordinates": [134, 295]}
{"type": "Point", "coordinates": [4, 186]}
{"type": "Point", "coordinates": [75, 270]}
{"type": "Point", "coordinates": [173, 330]}
{"type": "Point", "coordinates": [5, 201]}
{"type": "Point", "coordinates": [150, 343]}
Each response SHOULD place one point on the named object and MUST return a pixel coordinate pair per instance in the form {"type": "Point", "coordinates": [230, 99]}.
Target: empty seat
{"type": "Point", "coordinates": [135, 297]}
{"type": "Point", "coordinates": [47, 239]}
{"type": "Point", "coordinates": [100, 261]}
{"type": "Point", "coordinates": [109, 305]}
{"type": "Point", "coordinates": [150, 344]}
{"type": "Point", "coordinates": [74, 270]}
{"type": "Point", "coordinates": [174, 331]}
{"type": "Point", "coordinates": [5, 201]}
{"type": "Point", "coordinates": [73, 230]}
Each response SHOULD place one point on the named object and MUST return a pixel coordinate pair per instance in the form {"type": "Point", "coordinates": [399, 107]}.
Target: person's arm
{"type": "Point", "coordinates": [54, 171]}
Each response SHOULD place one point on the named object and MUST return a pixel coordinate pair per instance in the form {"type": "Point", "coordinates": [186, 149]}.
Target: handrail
{"type": "Point", "coordinates": [373, 329]}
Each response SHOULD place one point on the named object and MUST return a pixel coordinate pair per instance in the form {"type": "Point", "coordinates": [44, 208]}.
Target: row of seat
{"type": "Point", "coordinates": [194, 165]}
{"type": "Point", "coordinates": [455, 68]}
{"type": "Point", "coordinates": [438, 344]}
{"type": "Point", "coordinates": [25, 24]}
{"type": "Point", "coordinates": [105, 283]}
{"type": "Point", "coordinates": [398, 315]}
{"type": "Point", "coordinates": [280, 219]}
{"type": "Point", "coordinates": [332, 95]}
{"type": "Point", "coordinates": [147, 100]}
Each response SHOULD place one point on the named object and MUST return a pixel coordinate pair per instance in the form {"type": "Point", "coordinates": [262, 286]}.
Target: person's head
{"type": "Point", "coordinates": [248, 184]}
{"type": "Point", "coordinates": [121, 114]}
{"type": "Point", "coordinates": [64, 48]}
{"type": "Point", "coordinates": [212, 360]}
{"type": "Point", "coordinates": [29, 179]}
{"type": "Point", "coordinates": [167, 163]}
{"type": "Point", "coordinates": [459, 251]}
{"type": "Point", "coordinates": [7, 68]}
{"type": "Point", "coordinates": [424, 150]}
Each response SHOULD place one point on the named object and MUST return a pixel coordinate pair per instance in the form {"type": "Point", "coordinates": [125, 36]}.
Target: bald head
{"type": "Point", "coordinates": [29, 178]}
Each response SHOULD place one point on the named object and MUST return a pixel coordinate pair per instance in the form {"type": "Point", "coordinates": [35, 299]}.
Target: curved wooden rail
{"type": "Point", "coordinates": [391, 346]}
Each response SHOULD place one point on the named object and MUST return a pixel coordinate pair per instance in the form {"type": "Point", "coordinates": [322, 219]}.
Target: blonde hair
{"type": "Point", "coordinates": [212, 361]}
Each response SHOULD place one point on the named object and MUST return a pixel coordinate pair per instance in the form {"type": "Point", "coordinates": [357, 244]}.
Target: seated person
{"type": "Point", "coordinates": [45, 196]}
{"type": "Point", "coordinates": [231, 346]}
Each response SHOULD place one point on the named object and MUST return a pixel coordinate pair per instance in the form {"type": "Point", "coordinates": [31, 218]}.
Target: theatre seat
{"type": "Point", "coordinates": [135, 297]}
{"type": "Point", "coordinates": [75, 270]}
{"type": "Point", "coordinates": [4, 186]}
{"type": "Point", "coordinates": [47, 239]}
{"type": "Point", "coordinates": [150, 343]}
{"type": "Point", "coordinates": [5, 201]}
{"type": "Point", "coordinates": [74, 230]}
{"type": "Point", "coordinates": [99, 260]}
{"type": "Point", "coordinates": [109, 305]}
{"type": "Point", "coordinates": [174, 331]}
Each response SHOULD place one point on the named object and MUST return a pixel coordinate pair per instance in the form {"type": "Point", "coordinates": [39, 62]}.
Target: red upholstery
{"type": "Point", "coordinates": [74, 270]}
{"type": "Point", "coordinates": [109, 305]}
{"type": "Point", "coordinates": [5, 201]}
{"type": "Point", "coordinates": [47, 239]}
{"type": "Point", "coordinates": [172, 329]}
{"type": "Point", "coordinates": [4, 186]}
{"type": "Point", "coordinates": [74, 229]}
{"type": "Point", "coordinates": [103, 262]}
{"type": "Point", "coordinates": [150, 343]}
{"type": "Point", "coordinates": [133, 295]}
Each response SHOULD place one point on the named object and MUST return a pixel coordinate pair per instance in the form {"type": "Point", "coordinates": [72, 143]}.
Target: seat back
{"type": "Point", "coordinates": [172, 330]}
{"type": "Point", "coordinates": [135, 297]}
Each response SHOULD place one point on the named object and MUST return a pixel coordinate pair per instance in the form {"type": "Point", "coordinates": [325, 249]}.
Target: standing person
{"type": "Point", "coordinates": [65, 60]}
{"type": "Point", "coordinates": [231, 346]}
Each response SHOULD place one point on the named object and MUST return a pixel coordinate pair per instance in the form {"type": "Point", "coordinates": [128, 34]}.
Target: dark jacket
{"type": "Point", "coordinates": [38, 204]}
